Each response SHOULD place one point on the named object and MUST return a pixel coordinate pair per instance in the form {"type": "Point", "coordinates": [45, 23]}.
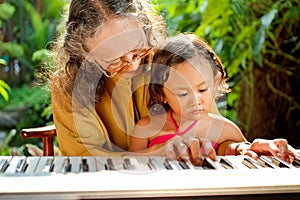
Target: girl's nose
{"type": "Point", "coordinates": [196, 98]}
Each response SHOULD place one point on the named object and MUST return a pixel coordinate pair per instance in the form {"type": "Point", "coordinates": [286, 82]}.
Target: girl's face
{"type": "Point", "coordinates": [189, 89]}
{"type": "Point", "coordinates": [118, 47]}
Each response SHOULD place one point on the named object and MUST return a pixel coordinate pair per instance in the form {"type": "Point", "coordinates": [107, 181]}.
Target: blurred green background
{"type": "Point", "coordinates": [257, 41]}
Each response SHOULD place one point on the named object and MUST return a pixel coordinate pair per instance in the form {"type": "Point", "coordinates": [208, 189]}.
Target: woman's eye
{"type": "Point", "coordinates": [135, 56]}
{"type": "Point", "coordinates": [182, 94]}
{"type": "Point", "coordinates": [114, 62]}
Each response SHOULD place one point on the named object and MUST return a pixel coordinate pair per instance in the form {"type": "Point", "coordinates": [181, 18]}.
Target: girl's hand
{"type": "Point", "coordinates": [189, 148]}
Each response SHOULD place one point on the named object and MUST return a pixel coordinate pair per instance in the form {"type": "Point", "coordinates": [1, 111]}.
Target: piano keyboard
{"type": "Point", "coordinates": [143, 176]}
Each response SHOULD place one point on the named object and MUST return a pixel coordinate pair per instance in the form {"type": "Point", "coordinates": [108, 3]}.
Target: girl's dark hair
{"type": "Point", "coordinates": [176, 50]}
{"type": "Point", "coordinates": [82, 21]}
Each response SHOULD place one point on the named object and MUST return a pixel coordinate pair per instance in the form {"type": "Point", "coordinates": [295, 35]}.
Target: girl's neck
{"type": "Point", "coordinates": [183, 129]}
{"type": "Point", "coordinates": [179, 120]}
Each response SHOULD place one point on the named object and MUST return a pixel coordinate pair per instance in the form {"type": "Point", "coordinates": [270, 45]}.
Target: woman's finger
{"type": "Point", "coordinates": [251, 154]}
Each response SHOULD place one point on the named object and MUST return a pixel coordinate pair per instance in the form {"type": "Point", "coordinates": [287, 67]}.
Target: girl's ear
{"type": "Point", "coordinates": [218, 78]}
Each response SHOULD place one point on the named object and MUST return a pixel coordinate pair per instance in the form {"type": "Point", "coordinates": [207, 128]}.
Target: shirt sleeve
{"type": "Point", "coordinates": [79, 133]}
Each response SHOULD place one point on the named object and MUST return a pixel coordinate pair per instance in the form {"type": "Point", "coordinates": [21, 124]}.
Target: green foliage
{"type": "Point", "coordinates": [12, 49]}
{"type": "Point", "coordinates": [27, 96]}
{"type": "Point", "coordinates": [250, 37]}
{"type": "Point", "coordinates": [5, 147]}
{"type": "Point", "coordinates": [35, 101]}
{"type": "Point", "coordinates": [4, 89]}
{"type": "Point", "coordinates": [6, 10]}
{"type": "Point", "coordinates": [40, 55]}
{"type": "Point", "coordinates": [27, 28]}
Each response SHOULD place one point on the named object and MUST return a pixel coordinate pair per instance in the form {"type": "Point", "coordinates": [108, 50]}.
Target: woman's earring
{"type": "Point", "coordinates": [149, 64]}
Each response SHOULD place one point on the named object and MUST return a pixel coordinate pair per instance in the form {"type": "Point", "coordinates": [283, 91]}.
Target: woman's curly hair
{"type": "Point", "coordinates": [82, 21]}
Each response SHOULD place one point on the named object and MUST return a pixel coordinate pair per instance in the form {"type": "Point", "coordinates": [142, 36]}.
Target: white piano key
{"type": "Point", "coordinates": [59, 163]}
{"type": "Point", "coordinates": [101, 162]}
{"type": "Point", "coordinates": [143, 162]}
{"type": "Point", "coordinates": [156, 163]}
{"type": "Point", "coordinates": [210, 164]}
{"type": "Point", "coordinates": [32, 163]}
{"type": "Point", "coordinates": [44, 165]}
{"type": "Point", "coordinates": [266, 161]}
{"type": "Point", "coordinates": [237, 161]}
{"type": "Point", "coordinates": [251, 163]}
{"type": "Point", "coordinates": [138, 166]}
{"type": "Point", "coordinates": [174, 164]}
{"type": "Point", "coordinates": [75, 163]}
{"type": "Point", "coordinates": [15, 165]}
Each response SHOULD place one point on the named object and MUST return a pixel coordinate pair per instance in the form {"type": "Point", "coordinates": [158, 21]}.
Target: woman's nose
{"type": "Point", "coordinates": [128, 58]}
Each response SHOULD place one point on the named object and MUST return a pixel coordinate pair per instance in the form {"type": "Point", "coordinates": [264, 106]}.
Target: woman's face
{"type": "Point", "coordinates": [118, 47]}
{"type": "Point", "coordinates": [189, 89]}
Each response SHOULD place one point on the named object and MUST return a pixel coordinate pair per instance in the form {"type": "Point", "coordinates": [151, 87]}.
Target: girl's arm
{"type": "Point", "coordinates": [139, 138]}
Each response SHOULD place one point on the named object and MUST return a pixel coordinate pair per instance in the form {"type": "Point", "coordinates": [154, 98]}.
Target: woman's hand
{"type": "Point", "coordinates": [277, 147]}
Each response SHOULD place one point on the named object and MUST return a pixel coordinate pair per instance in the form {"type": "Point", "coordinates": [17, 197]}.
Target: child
{"type": "Point", "coordinates": [186, 78]}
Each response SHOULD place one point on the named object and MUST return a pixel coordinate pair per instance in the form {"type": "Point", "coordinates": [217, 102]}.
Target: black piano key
{"type": "Point", "coordinates": [91, 162]}
{"type": "Point", "coordinates": [209, 164]}
{"type": "Point", "coordinates": [296, 162]}
{"type": "Point", "coordinates": [280, 163]}
{"type": "Point", "coordinates": [127, 164]}
{"type": "Point", "coordinates": [84, 165]}
{"type": "Point", "coordinates": [151, 164]}
{"type": "Point", "coordinates": [3, 165]}
{"type": "Point", "coordinates": [250, 163]}
{"type": "Point", "coordinates": [183, 164]}
{"type": "Point", "coordinates": [21, 166]}
{"type": "Point", "coordinates": [167, 164]}
{"type": "Point", "coordinates": [16, 165]}
{"type": "Point", "coordinates": [226, 163]}
{"type": "Point", "coordinates": [109, 165]}
{"type": "Point", "coordinates": [67, 165]}
{"type": "Point", "coordinates": [265, 162]}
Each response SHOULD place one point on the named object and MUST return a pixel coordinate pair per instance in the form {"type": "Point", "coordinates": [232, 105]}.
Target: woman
{"type": "Point", "coordinates": [99, 87]}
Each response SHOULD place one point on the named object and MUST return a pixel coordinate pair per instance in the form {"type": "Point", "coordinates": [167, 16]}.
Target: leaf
{"type": "Point", "coordinates": [40, 55]}
{"type": "Point", "coordinates": [6, 11]}
{"type": "Point", "coordinates": [267, 19]}
{"type": "Point", "coordinates": [258, 41]}
{"type": "Point", "coordinates": [292, 13]}
{"type": "Point", "coordinates": [12, 49]}
{"type": "Point", "coordinates": [4, 88]}
{"type": "Point", "coordinates": [3, 62]}
{"type": "Point", "coordinates": [4, 85]}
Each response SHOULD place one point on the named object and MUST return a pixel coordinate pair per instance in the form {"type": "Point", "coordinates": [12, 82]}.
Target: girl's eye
{"type": "Point", "coordinates": [203, 90]}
